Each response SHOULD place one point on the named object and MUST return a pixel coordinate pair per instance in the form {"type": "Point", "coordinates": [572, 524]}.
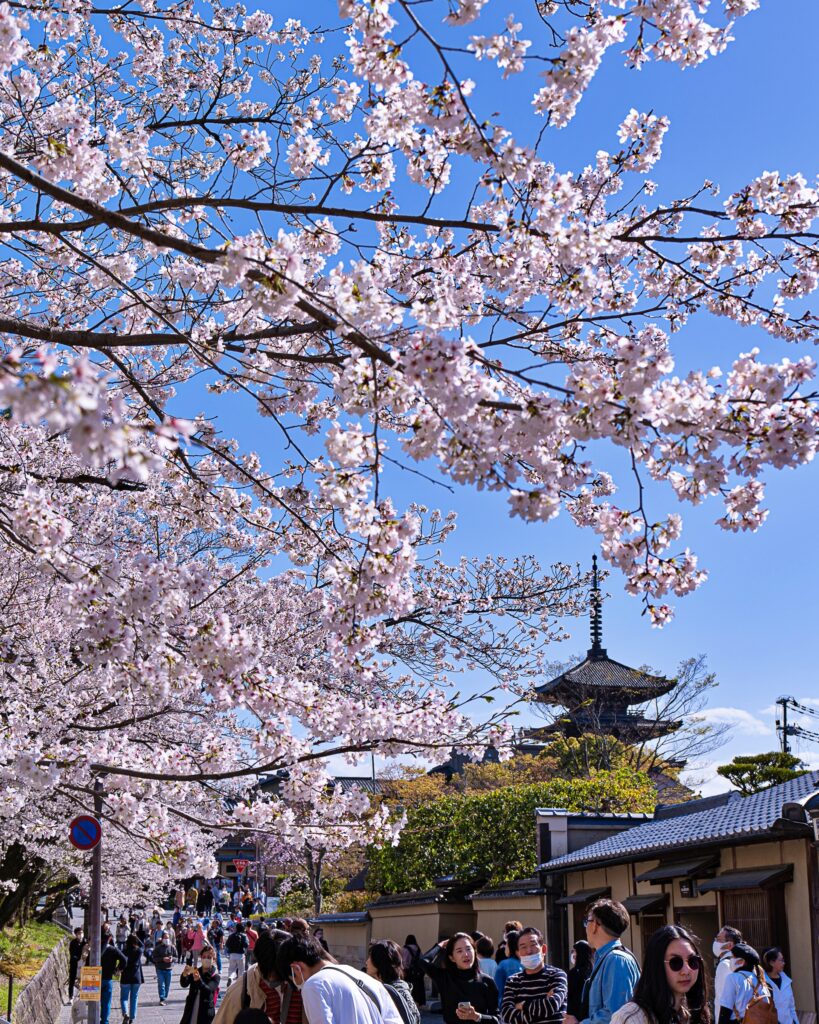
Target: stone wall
{"type": "Point", "coordinates": [41, 1000]}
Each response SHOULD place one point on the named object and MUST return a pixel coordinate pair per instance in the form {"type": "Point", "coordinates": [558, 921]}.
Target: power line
{"type": "Point", "coordinates": [797, 730]}
{"type": "Point", "coordinates": [785, 730]}
{"type": "Point", "coordinates": [801, 707]}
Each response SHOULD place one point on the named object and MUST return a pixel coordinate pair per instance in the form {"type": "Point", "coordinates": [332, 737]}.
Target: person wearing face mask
{"type": "Point", "coordinates": [333, 993]}
{"type": "Point", "coordinates": [537, 994]}
{"type": "Point", "coordinates": [262, 990]}
{"type": "Point", "coordinates": [746, 994]}
{"type": "Point", "coordinates": [164, 955]}
{"type": "Point", "coordinates": [726, 939]}
{"type": "Point", "coordinates": [203, 982]}
{"type": "Point", "coordinates": [466, 993]}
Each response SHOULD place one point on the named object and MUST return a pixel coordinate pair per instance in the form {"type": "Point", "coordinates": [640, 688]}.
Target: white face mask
{"type": "Point", "coordinates": [206, 964]}
{"type": "Point", "coordinates": [717, 947]}
{"type": "Point", "coordinates": [532, 962]}
{"type": "Point", "coordinates": [735, 962]}
{"type": "Point", "coordinates": [297, 981]}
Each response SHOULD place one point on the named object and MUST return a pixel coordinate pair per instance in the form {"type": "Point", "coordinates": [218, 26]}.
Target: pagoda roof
{"type": "Point", "coordinates": [598, 674]}
{"type": "Point", "coordinates": [623, 727]}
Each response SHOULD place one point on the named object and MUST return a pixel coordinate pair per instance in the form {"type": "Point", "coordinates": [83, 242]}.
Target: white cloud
{"type": "Point", "coordinates": [737, 718]}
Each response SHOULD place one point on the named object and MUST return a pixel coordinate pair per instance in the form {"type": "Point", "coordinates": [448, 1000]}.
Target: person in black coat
{"type": "Point", "coordinates": [76, 951]}
{"type": "Point", "coordinates": [131, 979]}
{"type": "Point", "coordinates": [200, 1006]}
{"type": "Point", "coordinates": [111, 960]}
{"type": "Point", "coordinates": [453, 966]}
{"type": "Point", "coordinates": [582, 959]}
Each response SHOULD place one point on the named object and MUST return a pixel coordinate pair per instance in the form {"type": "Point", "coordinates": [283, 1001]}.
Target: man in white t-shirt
{"type": "Point", "coordinates": [725, 941]}
{"type": "Point", "coordinates": [333, 993]}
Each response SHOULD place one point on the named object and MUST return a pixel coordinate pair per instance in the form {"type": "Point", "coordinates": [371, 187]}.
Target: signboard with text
{"type": "Point", "coordinates": [241, 866]}
{"type": "Point", "coordinates": [90, 984]}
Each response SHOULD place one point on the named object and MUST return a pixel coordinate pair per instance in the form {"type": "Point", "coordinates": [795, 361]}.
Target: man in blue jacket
{"type": "Point", "coordinates": [614, 971]}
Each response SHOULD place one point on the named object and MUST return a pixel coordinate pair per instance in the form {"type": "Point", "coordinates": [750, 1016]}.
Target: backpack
{"type": "Point", "coordinates": [761, 1008]}
{"type": "Point", "coordinates": [236, 943]}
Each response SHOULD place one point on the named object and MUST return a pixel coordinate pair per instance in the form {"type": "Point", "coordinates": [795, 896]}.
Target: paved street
{"type": "Point", "coordinates": [150, 1012]}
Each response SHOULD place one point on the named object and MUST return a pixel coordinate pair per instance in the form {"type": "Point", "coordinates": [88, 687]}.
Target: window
{"type": "Point", "coordinates": [760, 916]}
{"type": "Point", "coordinates": [649, 923]}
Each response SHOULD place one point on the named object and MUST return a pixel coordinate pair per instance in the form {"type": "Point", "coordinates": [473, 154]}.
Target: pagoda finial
{"type": "Point", "coordinates": [596, 617]}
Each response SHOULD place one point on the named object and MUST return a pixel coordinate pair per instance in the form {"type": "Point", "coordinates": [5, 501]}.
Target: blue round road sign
{"type": "Point", "coordinates": [84, 832]}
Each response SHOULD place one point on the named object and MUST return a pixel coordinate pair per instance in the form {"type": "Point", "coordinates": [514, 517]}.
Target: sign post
{"type": "Point", "coordinates": [85, 833]}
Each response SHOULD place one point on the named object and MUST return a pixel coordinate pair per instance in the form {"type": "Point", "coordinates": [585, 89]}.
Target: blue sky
{"type": "Point", "coordinates": [750, 110]}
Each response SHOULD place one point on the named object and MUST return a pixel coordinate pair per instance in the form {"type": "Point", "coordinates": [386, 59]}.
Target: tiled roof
{"type": "Point", "coordinates": [365, 783]}
{"type": "Point", "coordinates": [506, 890]}
{"type": "Point", "coordinates": [603, 673]}
{"type": "Point", "coordinates": [352, 917]}
{"type": "Point", "coordinates": [736, 818]}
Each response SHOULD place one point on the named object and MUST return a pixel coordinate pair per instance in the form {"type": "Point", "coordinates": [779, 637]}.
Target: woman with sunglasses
{"type": "Point", "coordinates": [672, 988]}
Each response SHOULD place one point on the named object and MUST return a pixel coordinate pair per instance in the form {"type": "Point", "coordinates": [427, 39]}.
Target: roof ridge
{"type": "Point", "coordinates": [738, 816]}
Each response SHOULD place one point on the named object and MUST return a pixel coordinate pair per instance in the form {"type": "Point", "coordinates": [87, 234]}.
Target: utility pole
{"type": "Point", "coordinates": [782, 723]}
{"type": "Point", "coordinates": [95, 908]}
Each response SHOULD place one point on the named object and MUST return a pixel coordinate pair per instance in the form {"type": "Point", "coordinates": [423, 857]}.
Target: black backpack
{"type": "Point", "coordinates": [236, 943]}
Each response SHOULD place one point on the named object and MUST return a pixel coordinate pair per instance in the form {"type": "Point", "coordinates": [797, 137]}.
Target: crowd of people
{"type": "Point", "coordinates": [238, 969]}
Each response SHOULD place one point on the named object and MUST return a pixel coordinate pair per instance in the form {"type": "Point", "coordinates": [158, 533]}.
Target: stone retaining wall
{"type": "Point", "coordinates": [41, 1000]}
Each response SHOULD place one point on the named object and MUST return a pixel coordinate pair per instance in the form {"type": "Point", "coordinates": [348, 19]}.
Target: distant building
{"type": "Point", "coordinates": [596, 696]}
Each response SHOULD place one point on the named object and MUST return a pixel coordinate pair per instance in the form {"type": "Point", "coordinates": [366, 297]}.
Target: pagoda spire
{"type": "Point", "coordinates": [596, 650]}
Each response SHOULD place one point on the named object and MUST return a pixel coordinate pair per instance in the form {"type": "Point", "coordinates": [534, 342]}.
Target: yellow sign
{"type": "Point", "coordinates": [90, 984]}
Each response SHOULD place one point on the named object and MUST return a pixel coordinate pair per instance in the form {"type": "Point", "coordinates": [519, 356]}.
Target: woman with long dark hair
{"type": "Point", "coordinates": [510, 964]}
{"type": "Point", "coordinates": [672, 988]}
{"type": "Point", "coordinates": [131, 979]}
{"type": "Point", "coordinates": [384, 963]}
{"type": "Point", "coordinates": [466, 993]}
{"type": "Point", "coordinates": [579, 971]}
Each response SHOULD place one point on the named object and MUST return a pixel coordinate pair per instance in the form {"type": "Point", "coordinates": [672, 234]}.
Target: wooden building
{"type": "Point", "coordinates": [751, 862]}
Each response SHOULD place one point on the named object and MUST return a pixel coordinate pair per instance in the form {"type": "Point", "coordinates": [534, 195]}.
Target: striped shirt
{"type": "Point", "coordinates": [541, 997]}
{"type": "Point", "coordinates": [273, 1004]}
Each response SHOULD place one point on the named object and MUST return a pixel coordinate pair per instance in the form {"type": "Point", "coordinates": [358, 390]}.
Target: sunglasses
{"type": "Point", "coordinates": [676, 962]}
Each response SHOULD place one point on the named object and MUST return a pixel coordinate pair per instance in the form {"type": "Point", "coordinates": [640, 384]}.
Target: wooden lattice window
{"type": "Point", "coordinates": [649, 923]}
{"type": "Point", "coordinates": [760, 916]}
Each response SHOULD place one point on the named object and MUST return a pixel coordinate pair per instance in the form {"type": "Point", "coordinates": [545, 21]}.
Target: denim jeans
{"type": "Point", "coordinates": [128, 995]}
{"type": "Point", "coordinates": [163, 981]}
{"type": "Point", "coordinates": [106, 993]}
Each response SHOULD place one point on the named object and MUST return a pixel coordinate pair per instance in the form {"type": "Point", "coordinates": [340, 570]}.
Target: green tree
{"type": "Point", "coordinates": [491, 835]}
{"type": "Point", "coordinates": [752, 772]}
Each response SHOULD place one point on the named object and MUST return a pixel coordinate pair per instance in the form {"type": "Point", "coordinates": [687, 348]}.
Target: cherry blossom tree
{"type": "Point", "coordinates": [147, 648]}
{"type": "Point", "coordinates": [204, 205]}
{"type": "Point", "coordinates": [357, 249]}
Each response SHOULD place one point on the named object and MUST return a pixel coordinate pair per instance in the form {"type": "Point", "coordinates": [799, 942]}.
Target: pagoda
{"type": "Point", "coordinates": [596, 694]}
